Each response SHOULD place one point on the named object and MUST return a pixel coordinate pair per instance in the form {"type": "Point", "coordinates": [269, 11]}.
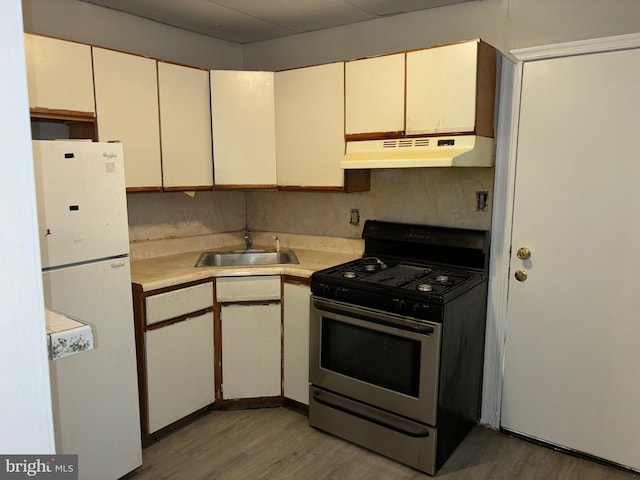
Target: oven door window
{"type": "Point", "coordinates": [382, 359]}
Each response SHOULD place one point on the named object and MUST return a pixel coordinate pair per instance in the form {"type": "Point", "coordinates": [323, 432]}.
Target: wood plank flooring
{"type": "Point", "coordinates": [278, 444]}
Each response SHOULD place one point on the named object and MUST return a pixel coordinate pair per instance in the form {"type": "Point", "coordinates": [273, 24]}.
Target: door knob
{"type": "Point", "coordinates": [521, 275]}
{"type": "Point", "coordinates": [524, 253]}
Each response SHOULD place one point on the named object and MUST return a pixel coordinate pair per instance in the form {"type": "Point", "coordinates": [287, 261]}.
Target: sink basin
{"type": "Point", "coordinates": [246, 257]}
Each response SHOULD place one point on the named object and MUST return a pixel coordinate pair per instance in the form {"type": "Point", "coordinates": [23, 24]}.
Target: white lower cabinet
{"type": "Point", "coordinates": [180, 374]}
{"type": "Point", "coordinates": [251, 351]}
{"type": "Point", "coordinates": [176, 362]}
{"type": "Point", "coordinates": [296, 342]}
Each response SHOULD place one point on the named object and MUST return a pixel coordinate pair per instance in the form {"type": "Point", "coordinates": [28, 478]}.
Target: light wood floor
{"type": "Point", "coordinates": [277, 443]}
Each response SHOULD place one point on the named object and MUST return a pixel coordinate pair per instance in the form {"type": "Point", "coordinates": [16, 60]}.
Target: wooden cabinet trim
{"type": "Point", "coordinates": [486, 87]}
{"type": "Point", "coordinates": [144, 189]}
{"type": "Point", "coordinates": [217, 350]}
{"type": "Point", "coordinates": [306, 281]}
{"type": "Point", "coordinates": [201, 188]}
{"type": "Point", "coordinates": [244, 187]}
{"type": "Point", "coordinates": [67, 115]}
{"type": "Point", "coordinates": [249, 302]}
{"type": "Point", "coordinates": [181, 318]}
{"type": "Point", "coordinates": [139, 314]}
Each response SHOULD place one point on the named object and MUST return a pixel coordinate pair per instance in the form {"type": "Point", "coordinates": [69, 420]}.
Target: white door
{"type": "Point", "coordinates": [573, 327]}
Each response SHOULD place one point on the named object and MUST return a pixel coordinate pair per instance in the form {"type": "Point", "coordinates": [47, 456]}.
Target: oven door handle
{"type": "Point", "coordinates": [375, 316]}
{"type": "Point", "coordinates": [383, 419]}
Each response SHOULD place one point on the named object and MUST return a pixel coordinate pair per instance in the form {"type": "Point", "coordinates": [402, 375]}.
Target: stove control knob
{"type": "Point", "coordinates": [326, 289]}
{"type": "Point", "coordinates": [339, 292]}
{"type": "Point", "coordinates": [417, 308]}
{"type": "Point", "coordinates": [401, 305]}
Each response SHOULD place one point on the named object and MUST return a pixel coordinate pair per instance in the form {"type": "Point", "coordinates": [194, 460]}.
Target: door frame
{"type": "Point", "coordinates": [503, 200]}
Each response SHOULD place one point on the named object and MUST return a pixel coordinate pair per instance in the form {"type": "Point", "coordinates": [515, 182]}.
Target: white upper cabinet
{"type": "Point", "coordinates": [310, 126]}
{"type": "Point", "coordinates": [243, 122]}
{"type": "Point", "coordinates": [126, 89]}
{"type": "Point", "coordinates": [185, 127]}
{"type": "Point", "coordinates": [374, 95]}
{"type": "Point", "coordinates": [59, 74]}
{"type": "Point", "coordinates": [451, 89]}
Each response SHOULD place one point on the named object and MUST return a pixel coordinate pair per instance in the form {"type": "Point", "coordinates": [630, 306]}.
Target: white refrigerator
{"type": "Point", "coordinates": [84, 243]}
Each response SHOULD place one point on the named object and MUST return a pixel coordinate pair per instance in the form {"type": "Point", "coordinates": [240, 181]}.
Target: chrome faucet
{"type": "Point", "coordinates": [248, 240]}
{"type": "Point", "coordinates": [277, 239]}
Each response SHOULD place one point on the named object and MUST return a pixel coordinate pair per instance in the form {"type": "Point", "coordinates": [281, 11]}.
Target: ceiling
{"type": "Point", "coordinates": [246, 21]}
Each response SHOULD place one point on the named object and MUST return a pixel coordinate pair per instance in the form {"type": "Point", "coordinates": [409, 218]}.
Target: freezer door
{"type": "Point", "coordinates": [95, 393]}
{"type": "Point", "coordinates": [82, 206]}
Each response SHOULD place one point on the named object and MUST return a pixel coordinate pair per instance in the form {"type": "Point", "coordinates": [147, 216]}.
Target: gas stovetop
{"type": "Point", "coordinates": [413, 269]}
{"type": "Point", "coordinates": [404, 280]}
{"type": "Point", "coordinates": [401, 276]}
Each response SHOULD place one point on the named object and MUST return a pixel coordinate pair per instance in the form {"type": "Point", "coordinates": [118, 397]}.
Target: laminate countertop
{"type": "Point", "coordinates": [66, 336]}
{"type": "Point", "coordinates": [171, 270]}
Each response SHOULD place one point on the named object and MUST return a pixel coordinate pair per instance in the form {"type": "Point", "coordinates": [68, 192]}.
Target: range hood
{"type": "Point", "coordinates": [450, 151]}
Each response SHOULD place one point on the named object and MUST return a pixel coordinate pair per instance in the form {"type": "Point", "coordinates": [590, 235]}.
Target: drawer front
{"type": "Point", "coordinates": [168, 305]}
{"type": "Point", "coordinates": [239, 289]}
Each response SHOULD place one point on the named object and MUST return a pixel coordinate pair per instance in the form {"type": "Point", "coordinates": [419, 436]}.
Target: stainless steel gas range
{"type": "Point", "coordinates": [397, 342]}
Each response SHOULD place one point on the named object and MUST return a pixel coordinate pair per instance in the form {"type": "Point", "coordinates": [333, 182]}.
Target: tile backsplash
{"type": "Point", "coordinates": [436, 196]}
{"type": "Point", "coordinates": [156, 216]}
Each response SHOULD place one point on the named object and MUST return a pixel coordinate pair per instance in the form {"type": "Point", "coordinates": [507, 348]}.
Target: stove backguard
{"type": "Point", "coordinates": [458, 247]}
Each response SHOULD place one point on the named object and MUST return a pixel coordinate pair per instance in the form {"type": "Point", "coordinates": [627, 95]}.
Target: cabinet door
{"type": "Point", "coordinates": [127, 110]}
{"type": "Point", "coordinates": [180, 370]}
{"type": "Point", "coordinates": [374, 95]}
{"type": "Point", "coordinates": [185, 127]}
{"type": "Point", "coordinates": [59, 74]}
{"type": "Point", "coordinates": [441, 89]}
{"type": "Point", "coordinates": [243, 122]}
{"type": "Point", "coordinates": [310, 126]}
{"type": "Point", "coordinates": [296, 342]}
{"type": "Point", "coordinates": [251, 351]}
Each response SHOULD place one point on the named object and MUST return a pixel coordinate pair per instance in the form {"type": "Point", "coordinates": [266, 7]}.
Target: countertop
{"type": "Point", "coordinates": [171, 270]}
{"type": "Point", "coordinates": [66, 336]}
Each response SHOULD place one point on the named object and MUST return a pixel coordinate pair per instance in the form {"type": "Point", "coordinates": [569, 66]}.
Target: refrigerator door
{"type": "Point", "coordinates": [82, 206]}
{"type": "Point", "coordinates": [95, 393]}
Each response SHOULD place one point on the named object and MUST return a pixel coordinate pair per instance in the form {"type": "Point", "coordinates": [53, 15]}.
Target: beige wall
{"type": "Point", "coordinates": [87, 23]}
{"type": "Point", "coordinates": [505, 24]}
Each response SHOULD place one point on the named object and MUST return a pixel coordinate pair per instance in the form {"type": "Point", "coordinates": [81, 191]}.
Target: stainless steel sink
{"type": "Point", "coordinates": [246, 257]}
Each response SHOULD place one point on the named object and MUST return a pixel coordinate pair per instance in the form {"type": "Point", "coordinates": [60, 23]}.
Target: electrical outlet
{"type": "Point", "coordinates": [355, 217]}
{"type": "Point", "coordinates": [482, 199]}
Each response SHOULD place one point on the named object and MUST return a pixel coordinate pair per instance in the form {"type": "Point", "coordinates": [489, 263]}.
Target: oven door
{"type": "Point", "coordinates": [382, 359]}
